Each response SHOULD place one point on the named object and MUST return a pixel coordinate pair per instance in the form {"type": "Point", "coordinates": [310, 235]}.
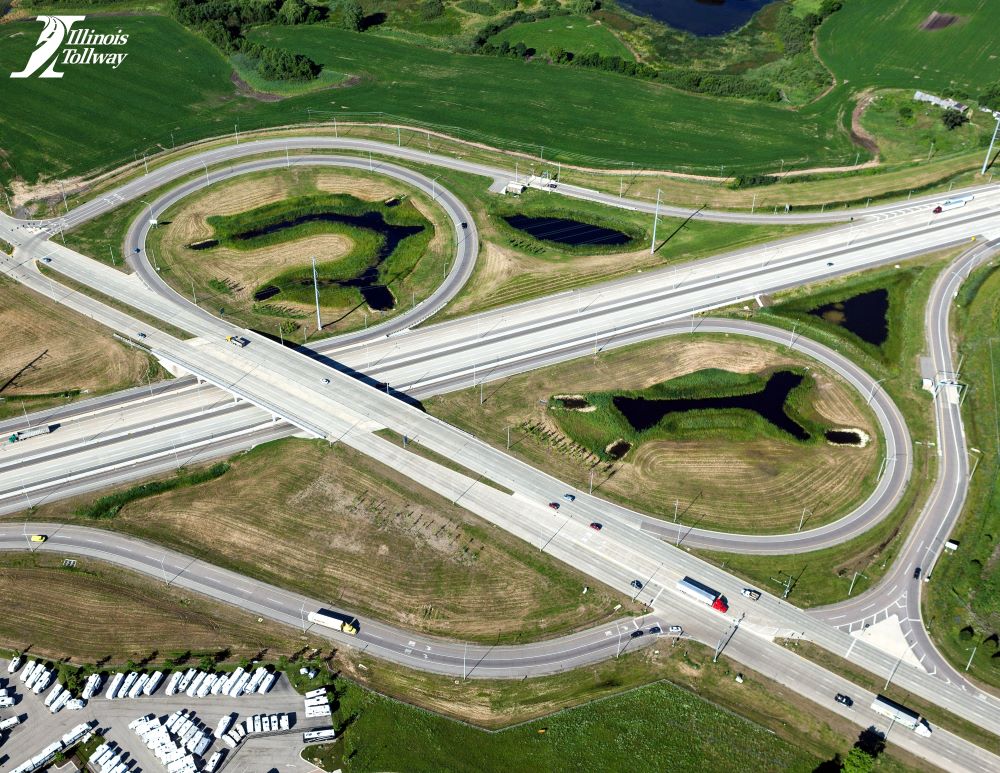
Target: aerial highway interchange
{"type": "Point", "coordinates": [350, 385]}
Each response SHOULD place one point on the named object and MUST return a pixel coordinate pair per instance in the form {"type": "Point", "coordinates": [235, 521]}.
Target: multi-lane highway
{"type": "Point", "coordinates": [292, 387]}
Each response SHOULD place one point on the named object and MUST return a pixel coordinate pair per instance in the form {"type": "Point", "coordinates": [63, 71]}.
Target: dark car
{"type": "Point", "coordinates": [938, 210]}
{"type": "Point", "coordinates": [137, 249]}
{"type": "Point", "coordinates": [635, 634]}
{"type": "Point", "coordinates": [637, 584]}
{"type": "Point", "coordinates": [596, 526]}
{"type": "Point", "coordinates": [841, 698]}
{"type": "Point", "coordinates": [465, 225]}
{"type": "Point", "coordinates": [916, 573]}
{"type": "Point", "coordinates": [554, 505]}
{"type": "Point", "coordinates": [656, 629]}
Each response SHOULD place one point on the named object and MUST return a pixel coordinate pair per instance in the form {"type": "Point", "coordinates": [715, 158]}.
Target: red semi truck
{"type": "Point", "coordinates": [700, 592]}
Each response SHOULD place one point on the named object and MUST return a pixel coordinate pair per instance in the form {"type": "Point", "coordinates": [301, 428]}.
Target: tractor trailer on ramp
{"type": "Point", "coordinates": [335, 620]}
{"type": "Point", "coordinates": [901, 715]}
{"type": "Point", "coordinates": [701, 592]}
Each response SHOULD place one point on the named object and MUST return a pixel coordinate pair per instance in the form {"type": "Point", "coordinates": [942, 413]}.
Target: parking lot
{"type": "Point", "coordinates": [259, 754]}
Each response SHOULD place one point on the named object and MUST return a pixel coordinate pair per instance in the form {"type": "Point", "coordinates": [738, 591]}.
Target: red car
{"type": "Point", "coordinates": [554, 505]}
{"type": "Point", "coordinates": [596, 526]}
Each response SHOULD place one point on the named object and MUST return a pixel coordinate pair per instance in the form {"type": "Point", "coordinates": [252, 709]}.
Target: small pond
{"type": "Point", "coordinates": [700, 17]}
{"type": "Point", "coordinates": [769, 403]}
{"type": "Point", "coordinates": [564, 231]}
{"type": "Point", "coordinates": [865, 315]}
{"type": "Point", "coordinates": [844, 437]}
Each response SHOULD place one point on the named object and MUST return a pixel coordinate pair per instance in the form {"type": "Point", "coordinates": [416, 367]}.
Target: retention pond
{"type": "Point", "coordinates": [565, 231]}
{"type": "Point", "coordinates": [769, 403]}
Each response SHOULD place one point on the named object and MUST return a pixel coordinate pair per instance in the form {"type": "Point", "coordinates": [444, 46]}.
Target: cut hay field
{"type": "Point", "coordinates": [715, 481]}
{"type": "Point", "coordinates": [47, 126]}
{"type": "Point", "coordinates": [331, 523]}
{"type": "Point", "coordinates": [95, 612]}
{"type": "Point", "coordinates": [228, 276]}
{"type": "Point", "coordinates": [884, 44]}
{"type": "Point", "coordinates": [50, 355]}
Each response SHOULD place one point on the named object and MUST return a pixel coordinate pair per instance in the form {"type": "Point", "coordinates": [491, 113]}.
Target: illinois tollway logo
{"type": "Point", "coordinates": [59, 44]}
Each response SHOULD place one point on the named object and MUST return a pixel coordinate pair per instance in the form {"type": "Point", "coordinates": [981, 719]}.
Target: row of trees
{"type": "Point", "coordinates": [223, 23]}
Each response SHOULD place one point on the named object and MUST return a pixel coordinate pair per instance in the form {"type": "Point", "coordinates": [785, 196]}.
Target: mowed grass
{"type": "Point", "coordinates": [714, 481]}
{"type": "Point", "coordinates": [571, 33]}
{"type": "Point", "coordinates": [176, 82]}
{"type": "Point", "coordinates": [331, 523]}
{"type": "Point", "coordinates": [95, 612]}
{"type": "Point", "coordinates": [883, 45]}
{"type": "Point", "coordinates": [639, 730]}
{"type": "Point", "coordinates": [50, 355]}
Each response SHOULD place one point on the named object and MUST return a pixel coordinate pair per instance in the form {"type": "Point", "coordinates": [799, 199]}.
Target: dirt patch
{"type": "Point", "coordinates": [859, 135]}
{"type": "Point", "coordinates": [938, 21]}
{"type": "Point", "coordinates": [246, 90]}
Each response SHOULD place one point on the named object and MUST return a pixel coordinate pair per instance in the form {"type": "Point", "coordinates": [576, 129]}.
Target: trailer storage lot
{"type": "Point", "coordinates": [39, 727]}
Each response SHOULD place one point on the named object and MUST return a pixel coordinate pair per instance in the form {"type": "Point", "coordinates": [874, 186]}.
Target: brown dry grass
{"type": "Point", "coordinates": [332, 523]}
{"type": "Point", "coordinates": [98, 611]}
{"type": "Point", "coordinates": [759, 485]}
{"type": "Point", "coordinates": [78, 353]}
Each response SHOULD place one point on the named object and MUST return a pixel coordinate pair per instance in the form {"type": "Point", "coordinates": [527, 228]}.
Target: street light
{"type": "Point", "coordinates": [986, 161]}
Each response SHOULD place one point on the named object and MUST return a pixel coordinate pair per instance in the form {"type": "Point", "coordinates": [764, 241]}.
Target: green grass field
{"type": "Point", "coordinates": [48, 126]}
{"type": "Point", "coordinates": [571, 33]}
{"type": "Point", "coordinates": [637, 731]}
{"type": "Point", "coordinates": [870, 44]}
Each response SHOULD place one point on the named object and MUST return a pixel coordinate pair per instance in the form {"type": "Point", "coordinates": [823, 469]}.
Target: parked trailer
{"type": "Point", "coordinates": [137, 687]}
{"type": "Point", "coordinates": [93, 685]}
{"type": "Point", "coordinates": [116, 682]}
{"type": "Point", "coordinates": [24, 434]}
{"type": "Point", "coordinates": [267, 683]}
{"type": "Point", "coordinates": [901, 715]}
{"type": "Point", "coordinates": [28, 671]}
{"type": "Point", "coordinates": [319, 736]}
{"type": "Point", "coordinates": [701, 592]}
{"type": "Point", "coordinates": [154, 681]}
{"type": "Point", "coordinates": [175, 679]}
{"type": "Point", "coordinates": [196, 683]}
{"type": "Point", "coordinates": [129, 681]}
{"type": "Point", "coordinates": [335, 620]}
{"type": "Point", "coordinates": [61, 701]}
{"type": "Point", "coordinates": [12, 666]}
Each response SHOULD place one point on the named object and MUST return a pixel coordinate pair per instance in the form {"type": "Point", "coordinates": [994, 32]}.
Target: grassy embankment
{"type": "Point", "coordinates": [824, 576]}
{"type": "Point", "coordinates": [161, 625]}
{"type": "Point", "coordinates": [962, 603]}
{"type": "Point", "coordinates": [50, 355]}
{"type": "Point", "coordinates": [714, 482]}
{"type": "Point", "coordinates": [331, 523]}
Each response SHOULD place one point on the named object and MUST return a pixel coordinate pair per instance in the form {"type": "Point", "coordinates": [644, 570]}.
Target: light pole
{"type": "Point", "coordinates": [967, 665]}
{"type": "Point", "coordinates": [854, 580]}
{"type": "Point", "coordinates": [986, 161]}
{"type": "Point", "coordinates": [319, 324]}
{"type": "Point", "coordinates": [656, 216]}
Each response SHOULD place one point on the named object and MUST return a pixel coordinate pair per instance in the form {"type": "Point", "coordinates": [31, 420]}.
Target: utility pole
{"type": "Point", "coordinates": [967, 665]}
{"type": "Point", "coordinates": [727, 637]}
{"type": "Point", "coordinates": [63, 192]}
{"type": "Point", "coordinates": [591, 480]}
{"type": "Point", "coordinates": [986, 161]}
{"type": "Point", "coordinates": [110, 250]}
{"type": "Point", "coordinates": [508, 437]}
{"type": "Point", "coordinates": [787, 584]}
{"type": "Point", "coordinates": [144, 164]}
{"type": "Point", "coordinates": [319, 324]}
{"type": "Point", "coordinates": [802, 519]}
{"type": "Point", "coordinates": [656, 216]}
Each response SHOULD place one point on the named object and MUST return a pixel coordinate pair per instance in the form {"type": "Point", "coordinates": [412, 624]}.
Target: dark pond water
{"type": "Point", "coordinates": [376, 295]}
{"type": "Point", "coordinates": [769, 403]}
{"type": "Point", "coordinates": [865, 315]}
{"type": "Point", "coordinates": [701, 17]}
{"type": "Point", "coordinates": [842, 437]}
{"type": "Point", "coordinates": [619, 449]}
{"type": "Point", "coordinates": [574, 403]}
{"type": "Point", "coordinates": [563, 231]}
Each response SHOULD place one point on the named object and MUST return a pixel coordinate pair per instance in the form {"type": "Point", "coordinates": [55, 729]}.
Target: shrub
{"type": "Point", "coordinates": [966, 633]}
{"type": "Point", "coordinates": [431, 9]}
{"type": "Point", "coordinates": [353, 16]}
{"type": "Point", "coordinates": [952, 118]}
